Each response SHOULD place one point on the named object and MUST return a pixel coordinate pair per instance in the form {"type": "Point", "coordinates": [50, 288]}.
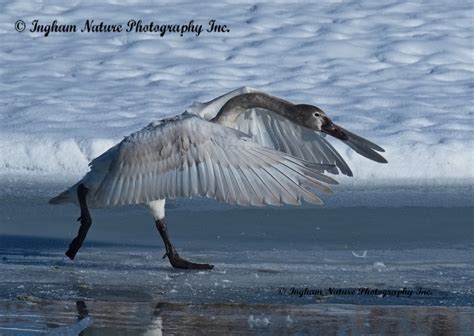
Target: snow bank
{"type": "Point", "coordinates": [399, 74]}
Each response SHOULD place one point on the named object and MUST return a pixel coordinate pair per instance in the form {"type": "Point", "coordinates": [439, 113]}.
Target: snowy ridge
{"type": "Point", "coordinates": [397, 73]}
{"type": "Point", "coordinates": [68, 159]}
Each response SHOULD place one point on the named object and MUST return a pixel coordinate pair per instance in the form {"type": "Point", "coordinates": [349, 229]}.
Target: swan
{"type": "Point", "coordinates": [245, 147]}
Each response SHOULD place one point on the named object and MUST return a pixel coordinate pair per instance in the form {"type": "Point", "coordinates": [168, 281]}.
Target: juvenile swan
{"type": "Point", "coordinates": [245, 148]}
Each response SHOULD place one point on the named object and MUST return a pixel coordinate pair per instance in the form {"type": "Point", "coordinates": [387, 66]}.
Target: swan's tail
{"type": "Point", "coordinates": [61, 198]}
{"type": "Point", "coordinates": [67, 196]}
{"type": "Point", "coordinates": [99, 168]}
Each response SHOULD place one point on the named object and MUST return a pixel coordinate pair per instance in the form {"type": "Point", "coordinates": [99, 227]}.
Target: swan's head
{"type": "Point", "coordinates": [314, 118]}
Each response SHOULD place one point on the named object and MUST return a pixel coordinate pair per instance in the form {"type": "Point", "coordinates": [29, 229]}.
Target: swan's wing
{"type": "Point", "coordinates": [363, 146]}
{"type": "Point", "coordinates": [209, 110]}
{"type": "Point", "coordinates": [274, 131]}
{"type": "Point", "coordinates": [188, 156]}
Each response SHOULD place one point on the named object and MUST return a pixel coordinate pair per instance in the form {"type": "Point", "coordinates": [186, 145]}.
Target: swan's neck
{"type": "Point", "coordinates": [228, 114]}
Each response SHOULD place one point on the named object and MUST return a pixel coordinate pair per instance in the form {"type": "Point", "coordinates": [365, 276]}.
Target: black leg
{"type": "Point", "coordinates": [174, 258]}
{"type": "Point", "coordinates": [86, 222]}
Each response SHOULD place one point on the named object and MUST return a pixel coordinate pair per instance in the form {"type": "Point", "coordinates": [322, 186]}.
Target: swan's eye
{"type": "Point", "coordinates": [316, 114]}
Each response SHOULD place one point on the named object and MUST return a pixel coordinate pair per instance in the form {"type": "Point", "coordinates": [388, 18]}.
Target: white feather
{"type": "Point", "coordinates": [274, 131]}
{"type": "Point", "coordinates": [188, 157]}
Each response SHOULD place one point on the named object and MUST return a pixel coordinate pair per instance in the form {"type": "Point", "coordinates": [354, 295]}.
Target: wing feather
{"type": "Point", "coordinates": [190, 157]}
{"type": "Point", "coordinates": [272, 130]}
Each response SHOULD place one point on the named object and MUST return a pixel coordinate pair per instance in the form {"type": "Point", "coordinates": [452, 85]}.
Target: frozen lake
{"type": "Point", "coordinates": [345, 257]}
{"type": "Point", "coordinates": [390, 252]}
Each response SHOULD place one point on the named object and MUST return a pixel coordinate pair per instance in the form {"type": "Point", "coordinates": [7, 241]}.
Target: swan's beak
{"type": "Point", "coordinates": [332, 129]}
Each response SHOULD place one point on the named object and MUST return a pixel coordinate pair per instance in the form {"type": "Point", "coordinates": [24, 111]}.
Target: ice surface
{"type": "Point", "coordinates": [162, 318]}
{"type": "Point", "coordinates": [362, 255]}
{"type": "Point", "coordinates": [398, 73]}
{"type": "Point", "coordinates": [120, 274]}
{"type": "Point", "coordinates": [258, 252]}
{"type": "Point", "coordinates": [73, 329]}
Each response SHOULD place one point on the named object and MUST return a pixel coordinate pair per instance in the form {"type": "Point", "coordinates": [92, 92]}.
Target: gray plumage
{"type": "Point", "coordinates": [187, 156]}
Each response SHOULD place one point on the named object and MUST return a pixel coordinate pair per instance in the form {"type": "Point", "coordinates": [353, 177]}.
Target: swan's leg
{"type": "Point", "coordinates": [86, 222]}
{"type": "Point", "coordinates": [173, 256]}
{"type": "Point", "coordinates": [158, 211]}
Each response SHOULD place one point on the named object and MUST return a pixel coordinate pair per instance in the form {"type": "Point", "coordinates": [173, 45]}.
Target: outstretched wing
{"type": "Point", "coordinates": [270, 129]}
{"type": "Point", "coordinates": [188, 157]}
{"type": "Point", "coordinates": [363, 146]}
{"type": "Point", "coordinates": [274, 131]}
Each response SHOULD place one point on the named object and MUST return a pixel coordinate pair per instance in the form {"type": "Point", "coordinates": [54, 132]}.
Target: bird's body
{"type": "Point", "coordinates": [245, 148]}
{"type": "Point", "coordinates": [187, 156]}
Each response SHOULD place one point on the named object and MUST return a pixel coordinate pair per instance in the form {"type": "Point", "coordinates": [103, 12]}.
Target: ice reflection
{"type": "Point", "coordinates": [313, 320]}
{"type": "Point", "coordinates": [142, 318]}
